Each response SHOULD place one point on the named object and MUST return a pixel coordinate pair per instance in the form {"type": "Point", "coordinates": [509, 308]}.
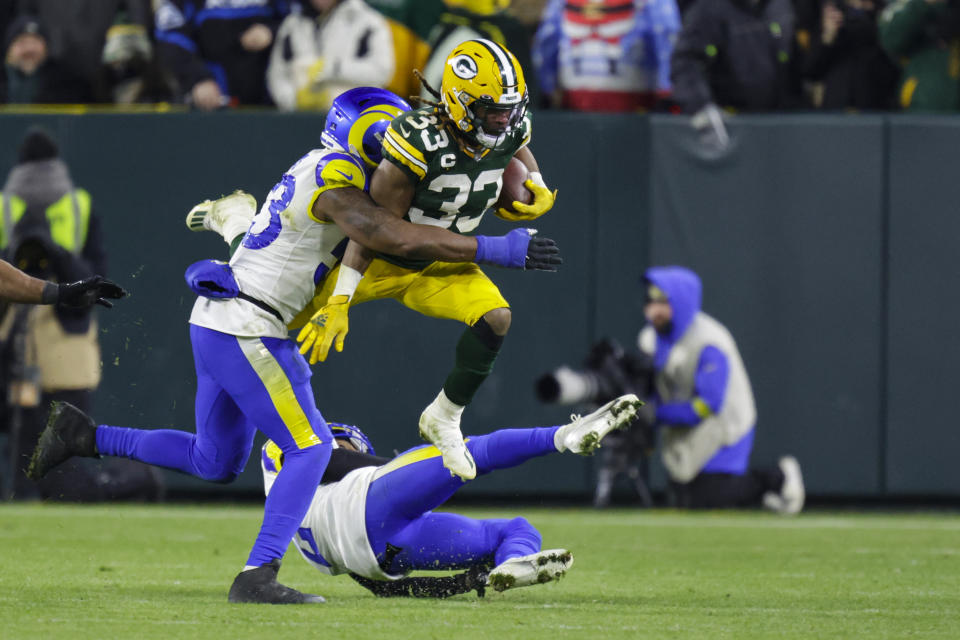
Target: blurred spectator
{"type": "Point", "coordinates": [464, 20]}
{"type": "Point", "coordinates": [51, 352]}
{"type": "Point", "coordinates": [703, 404]}
{"type": "Point", "coordinates": [30, 75]}
{"type": "Point", "coordinates": [844, 59]}
{"type": "Point", "coordinates": [735, 54]}
{"type": "Point", "coordinates": [606, 55]}
{"type": "Point", "coordinates": [924, 35]}
{"type": "Point", "coordinates": [325, 48]}
{"type": "Point", "coordinates": [77, 30]}
{"type": "Point", "coordinates": [410, 24]}
{"type": "Point", "coordinates": [130, 72]}
{"type": "Point", "coordinates": [219, 49]}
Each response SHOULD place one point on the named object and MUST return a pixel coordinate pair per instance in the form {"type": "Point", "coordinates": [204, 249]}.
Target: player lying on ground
{"type": "Point", "coordinates": [371, 517]}
{"type": "Point", "coordinates": [377, 524]}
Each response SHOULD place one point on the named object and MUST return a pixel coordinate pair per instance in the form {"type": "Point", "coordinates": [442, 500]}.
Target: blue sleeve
{"type": "Point", "coordinates": [678, 414]}
{"type": "Point", "coordinates": [713, 373]}
{"type": "Point", "coordinates": [710, 387]}
{"type": "Point", "coordinates": [664, 21]}
{"type": "Point", "coordinates": [546, 46]}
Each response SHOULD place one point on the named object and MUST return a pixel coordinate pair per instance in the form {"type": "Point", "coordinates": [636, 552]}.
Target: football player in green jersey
{"type": "Point", "coordinates": [442, 166]}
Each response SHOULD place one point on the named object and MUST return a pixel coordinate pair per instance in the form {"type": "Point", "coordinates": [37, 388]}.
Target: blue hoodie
{"type": "Point", "coordinates": [683, 290]}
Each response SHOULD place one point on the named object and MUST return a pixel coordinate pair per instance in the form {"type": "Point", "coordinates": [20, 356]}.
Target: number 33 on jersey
{"type": "Point", "coordinates": [453, 187]}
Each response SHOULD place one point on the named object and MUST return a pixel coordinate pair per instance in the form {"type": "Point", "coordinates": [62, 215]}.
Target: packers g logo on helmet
{"type": "Point", "coordinates": [464, 66]}
{"type": "Point", "coordinates": [479, 78]}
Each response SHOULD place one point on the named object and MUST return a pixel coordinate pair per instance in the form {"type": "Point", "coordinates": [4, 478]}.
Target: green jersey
{"type": "Point", "coordinates": [453, 187]}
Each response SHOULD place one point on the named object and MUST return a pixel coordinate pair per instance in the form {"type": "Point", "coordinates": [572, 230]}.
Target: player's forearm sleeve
{"type": "Point", "coordinates": [678, 414]}
{"type": "Point", "coordinates": [710, 387]}
{"type": "Point", "coordinates": [713, 374]}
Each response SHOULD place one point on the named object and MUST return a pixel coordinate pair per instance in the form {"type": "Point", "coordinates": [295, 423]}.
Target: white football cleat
{"type": "Point", "coordinates": [228, 216]}
{"type": "Point", "coordinates": [440, 426]}
{"type": "Point", "coordinates": [583, 434]}
{"type": "Point", "coordinates": [792, 494]}
{"type": "Point", "coordinates": [536, 568]}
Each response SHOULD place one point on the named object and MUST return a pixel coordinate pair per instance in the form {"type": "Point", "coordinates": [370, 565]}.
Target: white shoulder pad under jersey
{"type": "Point", "coordinates": [286, 251]}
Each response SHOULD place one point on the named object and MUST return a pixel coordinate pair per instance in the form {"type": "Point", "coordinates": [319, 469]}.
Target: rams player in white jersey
{"type": "Point", "coordinates": [377, 523]}
{"type": "Point", "coordinates": [250, 374]}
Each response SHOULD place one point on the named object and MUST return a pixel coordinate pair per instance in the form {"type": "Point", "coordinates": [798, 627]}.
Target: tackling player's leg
{"type": "Point", "coordinates": [405, 491]}
{"type": "Point", "coordinates": [229, 216]}
{"type": "Point", "coordinates": [277, 398]}
{"type": "Point", "coordinates": [261, 381]}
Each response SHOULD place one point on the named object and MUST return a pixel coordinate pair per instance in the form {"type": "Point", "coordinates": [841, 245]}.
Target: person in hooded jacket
{"type": "Point", "coordinates": [704, 404]}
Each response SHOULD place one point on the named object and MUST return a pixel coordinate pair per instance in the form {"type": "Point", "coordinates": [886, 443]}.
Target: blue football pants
{"type": "Point", "coordinates": [243, 384]}
{"type": "Point", "coordinates": [401, 496]}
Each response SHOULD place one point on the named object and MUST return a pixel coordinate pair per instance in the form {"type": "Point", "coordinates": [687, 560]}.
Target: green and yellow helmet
{"type": "Point", "coordinates": [483, 92]}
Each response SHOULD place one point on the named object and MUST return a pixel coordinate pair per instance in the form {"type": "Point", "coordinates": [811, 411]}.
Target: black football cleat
{"type": "Point", "coordinates": [69, 432]}
{"type": "Point", "coordinates": [260, 586]}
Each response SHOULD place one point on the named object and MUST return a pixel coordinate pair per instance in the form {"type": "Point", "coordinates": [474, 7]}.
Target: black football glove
{"type": "Point", "coordinates": [89, 291]}
{"type": "Point", "coordinates": [543, 254]}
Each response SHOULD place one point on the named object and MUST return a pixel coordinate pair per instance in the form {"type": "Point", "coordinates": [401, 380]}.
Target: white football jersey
{"type": "Point", "coordinates": [333, 534]}
{"type": "Point", "coordinates": [286, 251]}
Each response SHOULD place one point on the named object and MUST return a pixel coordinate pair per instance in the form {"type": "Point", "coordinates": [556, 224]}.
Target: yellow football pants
{"type": "Point", "coordinates": [453, 291]}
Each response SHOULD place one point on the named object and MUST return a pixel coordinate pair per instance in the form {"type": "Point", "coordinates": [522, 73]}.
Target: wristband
{"type": "Point", "coordinates": [347, 282]}
{"type": "Point", "coordinates": [504, 251]}
{"type": "Point", "coordinates": [50, 294]}
{"type": "Point", "coordinates": [537, 179]}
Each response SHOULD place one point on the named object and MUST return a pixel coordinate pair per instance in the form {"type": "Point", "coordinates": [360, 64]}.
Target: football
{"type": "Point", "coordinates": [512, 190]}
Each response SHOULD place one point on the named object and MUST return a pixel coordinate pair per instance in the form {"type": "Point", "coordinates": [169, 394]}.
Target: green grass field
{"type": "Point", "coordinates": [148, 571]}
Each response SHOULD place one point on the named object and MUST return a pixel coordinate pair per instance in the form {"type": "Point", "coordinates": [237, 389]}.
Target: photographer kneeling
{"type": "Point", "coordinates": [704, 405]}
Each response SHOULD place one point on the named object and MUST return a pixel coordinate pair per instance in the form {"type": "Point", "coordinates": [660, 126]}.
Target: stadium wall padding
{"type": "Point", "coordinates": [826, 245]}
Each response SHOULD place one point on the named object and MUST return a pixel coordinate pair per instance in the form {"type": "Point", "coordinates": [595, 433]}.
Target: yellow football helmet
{"type": "Point", "coordinates": [483, 92]}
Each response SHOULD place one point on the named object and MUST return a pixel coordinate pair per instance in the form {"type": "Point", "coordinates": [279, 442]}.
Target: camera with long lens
{"type": "Point", "coordinates": [607, 372]}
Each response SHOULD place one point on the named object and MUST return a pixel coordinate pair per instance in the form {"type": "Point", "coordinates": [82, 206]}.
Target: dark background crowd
{"type": "Point", "coordinates": [588, 55]}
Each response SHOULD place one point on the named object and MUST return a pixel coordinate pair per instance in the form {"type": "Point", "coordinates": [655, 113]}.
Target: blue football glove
{"type": "Point", "coordinates": [519, 249]}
